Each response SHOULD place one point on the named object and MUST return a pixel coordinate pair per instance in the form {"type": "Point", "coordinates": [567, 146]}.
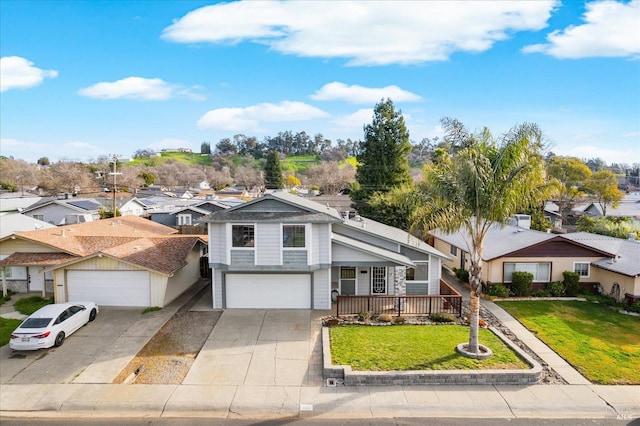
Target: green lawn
{"type": "Point", "coordinates": [601, 344]}
{"type": "Point", "coordinates": [415, 347]}
{"type": "Point", "coordinates": [29, 305]}
{"type": "Point", "coordinates": [6, 327]}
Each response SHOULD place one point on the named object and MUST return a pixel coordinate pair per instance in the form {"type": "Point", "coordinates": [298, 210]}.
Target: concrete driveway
{"type": "Point", "coordinates": [256, 347]}
{"type": "Point", "coordinates": [102, 338]}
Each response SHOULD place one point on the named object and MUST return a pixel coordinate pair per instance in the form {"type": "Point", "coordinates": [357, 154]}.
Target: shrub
{"type": "Point", "coordinates": [556, 289]}
{"type": "Point", "coordinates": [633, 308]}
{"type": "Point", "coordinates": [399, 320]}
{"type": "Point", "coordinates": [571, 283]}
{"type": "Point", "coordinates": [442, 317]}
{"type": "Point", "coordinates": [462, 275]}
{"type": "Point", "coordinates": [499, 290]}
{"type": "Point", "coordinates": [521, 283]}
{"type": "Point", "coordinates": [364, 316]}
{"type": "Point", "coordinates": [29, 305]}
{"type": "Point", "coordinates": [332, 322]}
{"type": "Point", "coordinates": [543, 292]}
{"type": "Point", "coordinates": [385, 318]}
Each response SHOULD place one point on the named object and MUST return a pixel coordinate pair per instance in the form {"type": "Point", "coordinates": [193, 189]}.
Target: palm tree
{"type": "Point", "coordinates": [485, 183]}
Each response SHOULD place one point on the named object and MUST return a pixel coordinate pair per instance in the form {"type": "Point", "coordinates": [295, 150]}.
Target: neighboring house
{"type": "Point", "coordinates": [122, 261]}
{"type": "Point", "coordinates": [15, 222]}
{"type": "Point", "coordinates": [14, 203]}
{"type": "Point", "coordinates": [64, 211]}
{"type": "Point", "coordinates": [126, 205]}
{"type": "Point", "coordinates": [598, 259]}
{"type": "Point", "coordinates": [286, 251]}
{"type": "Point", "coordinates": [629, 207]}
{"type": "Point", "coordinates": [183, 213]}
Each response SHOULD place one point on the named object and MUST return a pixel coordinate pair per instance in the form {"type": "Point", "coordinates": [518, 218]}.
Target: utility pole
{"type": "Point", "coordinates": [114, 174]}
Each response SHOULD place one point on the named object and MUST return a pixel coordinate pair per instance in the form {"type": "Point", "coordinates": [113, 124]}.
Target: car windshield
{"type": "Point", "coordinates": [35, 323]}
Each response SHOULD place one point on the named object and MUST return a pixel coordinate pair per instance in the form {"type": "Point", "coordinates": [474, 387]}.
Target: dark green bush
{"type": "Point", "coordinates": [633, 308]}
{"type": "Point", "coordinates": [543, 292]}
{"type": "Point", "coordinates": [462, 275]}
{"type": "Point", "coordinates": [521, 283]}
{"type": "Point", "coordinates": [442, 317]}
{"type": "Point", "coordinates": [571, 283]}
{"type": "Point", "coordinates": [555, 289]}
{"type": "Point", "coordinates": [498, 290]}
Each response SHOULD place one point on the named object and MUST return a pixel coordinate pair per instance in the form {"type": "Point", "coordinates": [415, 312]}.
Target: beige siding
{"type": "Point", "coordinates": [157, 289]}
{"type": "Point", "coordinates": [446, 249]}
{"type": "Point", "coordinates": [10, 246]}
{"type": "Point", "coordinates": [184, 278]}
{"type": "Point", "coordinates": [607, 279]}
{"type": "Point", "coordinates": [493, 271]}
{"type": "Point", "coordinates": [60, 292]}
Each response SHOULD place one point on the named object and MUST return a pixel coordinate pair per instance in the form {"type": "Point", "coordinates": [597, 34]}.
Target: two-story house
{"type": "Point", "coordinates": [285, 251]}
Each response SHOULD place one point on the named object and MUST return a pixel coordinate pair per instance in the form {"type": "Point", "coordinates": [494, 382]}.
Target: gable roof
{"type": "Point", "coordinates": [625, 258]}
{"type": "Point", "coordinates": [129, 239]}
{"type": "Point", "coordinates": [390, 233]}
{"type": "Point", "coordinates": [288, 208]}
{"type": "Point", "coordinates": [619, 255]}
{"type": "Point", "coordinates": [371, 249]}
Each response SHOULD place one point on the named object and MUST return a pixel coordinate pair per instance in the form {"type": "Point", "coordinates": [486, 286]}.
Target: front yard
{"type": "Point", "coordinates": [603, 345]}
{"type": "Point", "coordinates": [415, 347]}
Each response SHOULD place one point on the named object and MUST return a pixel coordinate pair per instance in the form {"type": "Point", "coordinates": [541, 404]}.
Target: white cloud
{"type": "Point", "coordinates": [20, 73]}
{"type": "Point", "coordinates": [610, 30]}
{"type": "Point", "coordinates": [609, 155]}
{"type": "Point", "coordinates": [250, 118]}
{"type": "Point", "coordinates": [361, 94]}
{"type": "Point", "coordinates": [138, 88]}
{"type": "Point", "coordinates": [352, 125]}
{"type": "Point", "coordinates": [365, 33]}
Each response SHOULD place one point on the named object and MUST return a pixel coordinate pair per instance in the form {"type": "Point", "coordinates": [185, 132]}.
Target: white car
{"type": "Point", "coordinates": [51, 324]}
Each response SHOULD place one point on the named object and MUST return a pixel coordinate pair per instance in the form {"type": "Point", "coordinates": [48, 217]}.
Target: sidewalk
{"type": "Point", "coordinates": [317, 400]}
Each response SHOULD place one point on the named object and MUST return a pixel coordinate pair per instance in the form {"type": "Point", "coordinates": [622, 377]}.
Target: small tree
{"type": "Point", "coordinates": [273, 172]}
{"type": "Point", "coordinates": [603, 184]}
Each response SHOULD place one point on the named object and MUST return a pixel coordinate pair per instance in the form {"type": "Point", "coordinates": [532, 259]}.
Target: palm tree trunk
{"type": "Point", "coordinates": [474, 306]}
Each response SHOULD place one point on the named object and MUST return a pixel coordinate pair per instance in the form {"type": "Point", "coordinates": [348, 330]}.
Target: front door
{"type": "Point", "coordinates": [378, 280]}
{"type": "Point", "coordinates": [36, 279]}
{"type": "Point", "coordinates": [347, 281]}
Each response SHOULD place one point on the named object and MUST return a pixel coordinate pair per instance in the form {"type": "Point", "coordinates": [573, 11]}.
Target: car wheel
{"type": "Point", "coordinates": [92, 315]}
{"type": "Point", "coordinates": [59, 339]}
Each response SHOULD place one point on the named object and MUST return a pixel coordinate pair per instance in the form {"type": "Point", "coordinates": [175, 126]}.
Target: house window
{"type": "Point", "coordinates": [7, 271]}
{"type": "Point", "coordinates": [242, 235]}
{"type": "Point", "coordinates": [419, 273]}
{"type": "Point", "coordinates": [38, 217]}
{"type": "Point", "coordinates": [347, 281]}
{"type": "Point", "coordinates": [541, 271]}
{"type": "Point", "coordinates": [453, 250]}
{"type": "Point", "coordinates": [184, 219]}
{"type": "Point", "coordinates": [293, 236]}
{"type": "Point", "coordinates": [581, 268]}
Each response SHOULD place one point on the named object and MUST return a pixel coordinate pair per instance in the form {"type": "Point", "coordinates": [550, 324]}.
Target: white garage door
{"type": "Point", "coordinates": [109, 288]}
{"type": "Point", "coordinates": [268, 291]}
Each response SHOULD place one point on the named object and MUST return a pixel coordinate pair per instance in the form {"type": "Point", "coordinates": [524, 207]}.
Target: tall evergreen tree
{"type": "Point", "coordinates": [383, 157]}
{"type": "Point", "coordinates": [273, 172]}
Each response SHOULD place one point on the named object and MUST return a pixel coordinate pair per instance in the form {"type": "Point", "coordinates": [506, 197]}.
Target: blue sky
{"type": "Point", "coordinates": [81, 79]}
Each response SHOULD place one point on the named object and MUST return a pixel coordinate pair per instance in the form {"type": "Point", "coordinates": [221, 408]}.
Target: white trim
{"type": "Point", "coordinates": [583, 263]}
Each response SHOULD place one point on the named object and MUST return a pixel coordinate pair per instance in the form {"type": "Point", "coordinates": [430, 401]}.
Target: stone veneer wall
{"type": "Point", "coordinates": [399, 280]}
{"type": "Point", "coordinates": [431, 377]}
